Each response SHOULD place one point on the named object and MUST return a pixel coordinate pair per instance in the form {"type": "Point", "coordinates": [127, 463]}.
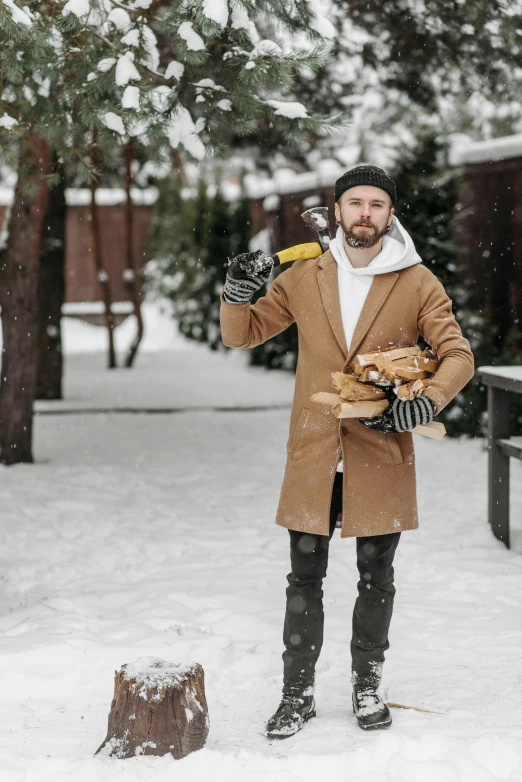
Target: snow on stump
{"type": "Point", "coordinates": [158, 707]}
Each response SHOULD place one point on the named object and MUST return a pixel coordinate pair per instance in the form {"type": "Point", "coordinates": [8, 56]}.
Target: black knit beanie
{"type": "Point", "coordinates": [366, 175]}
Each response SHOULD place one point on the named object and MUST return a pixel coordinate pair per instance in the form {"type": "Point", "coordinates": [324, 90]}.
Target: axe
{"type": "Point", "coordinates": [316, 219]}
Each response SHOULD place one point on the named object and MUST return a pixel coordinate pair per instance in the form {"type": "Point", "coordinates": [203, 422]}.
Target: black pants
{"type": "Point", "coordinates": [304, 619]}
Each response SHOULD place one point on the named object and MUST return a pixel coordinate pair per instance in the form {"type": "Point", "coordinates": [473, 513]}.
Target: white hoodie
{"type": "Point", "coordinates": [398, 252]}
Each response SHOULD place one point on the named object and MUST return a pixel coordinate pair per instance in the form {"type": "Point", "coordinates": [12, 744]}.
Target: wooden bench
{"type": "Point", "coordinates": [501, 382]}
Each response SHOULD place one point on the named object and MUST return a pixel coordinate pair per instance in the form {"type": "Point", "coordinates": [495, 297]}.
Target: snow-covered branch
{"type": "Point", "coordinates": [147, 77]}
{"type": "Point", "coordinates": [133, 11]}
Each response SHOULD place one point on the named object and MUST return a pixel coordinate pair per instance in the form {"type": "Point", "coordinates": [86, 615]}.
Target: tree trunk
{"type": "Point", "coordinates": [129, 275]}
{"type": "Point", "coordinates": [177, 161]}
{"type": "Point", "coordinates": [19, 300]}
{"type": "Point", "coordinates": [103, 275]}
{"type": "Point", "coordinates": [51, 293]}
{"type": "Point", "coordinates": [158, 708]}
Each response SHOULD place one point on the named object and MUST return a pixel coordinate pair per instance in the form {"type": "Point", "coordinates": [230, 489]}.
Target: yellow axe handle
{"type": "Point", "coordinates": [301, 252]}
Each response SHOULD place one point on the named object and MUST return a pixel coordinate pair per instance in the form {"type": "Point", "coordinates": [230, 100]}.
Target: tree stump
{"type": "Point", "coordinates": [158, 707]}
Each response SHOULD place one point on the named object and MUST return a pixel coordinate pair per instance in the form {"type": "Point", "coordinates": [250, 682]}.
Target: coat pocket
{"type": "Point", "coordinates": [298, 434]}
{"type": "Point", "coordinates": [395, 448]}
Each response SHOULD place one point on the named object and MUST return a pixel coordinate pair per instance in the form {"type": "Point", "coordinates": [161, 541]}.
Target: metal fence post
{"type": "Point", "coordinates": [498, 463]}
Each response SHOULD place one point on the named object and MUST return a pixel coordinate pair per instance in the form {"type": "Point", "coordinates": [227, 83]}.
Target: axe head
{"type": "Point", "coordinates": [316, 218]}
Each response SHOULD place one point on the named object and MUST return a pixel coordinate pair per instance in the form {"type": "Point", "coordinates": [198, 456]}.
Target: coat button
{"type": "Point", "coordinates": [344, 430]}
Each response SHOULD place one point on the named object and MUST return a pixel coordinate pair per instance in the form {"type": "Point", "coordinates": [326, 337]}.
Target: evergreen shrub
{"type": "Point", "coordinates": [193, 236]}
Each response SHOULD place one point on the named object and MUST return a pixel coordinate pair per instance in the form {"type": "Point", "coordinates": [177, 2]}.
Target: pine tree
{"type": "Point", "coordinates": [439, 49]}
{"type": "Point", "coordinates": [401, 68]}
{"type": "Point", "coordinates": [202, 218]}
{"type": "Point", "coordinates": [51, 291]}
{"type": "Point", "coordinates": [197, 305]}
{"type": "Point", "coordinates": [173, 216]}
{"type": "Point", "coordinates": [168, 75]}
{"type": "Point", "coordinates": [428, 206]}
{"type": "Point", "coordinates": [280, 352]}
{"type": "Point", "coordinates": [82, 77]}
{"type": "Point", "coordinates": [191, 272]}
{"type": "Point", "coordinates": [240, 227]}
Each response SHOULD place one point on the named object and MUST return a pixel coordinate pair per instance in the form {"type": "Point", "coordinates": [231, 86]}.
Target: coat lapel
{"type": "Point", "coordinates": [329, 288]}
{"type": "Point", "coordinates": [377, 295]}
{"type": "Point", "coordinates": [380, 289]}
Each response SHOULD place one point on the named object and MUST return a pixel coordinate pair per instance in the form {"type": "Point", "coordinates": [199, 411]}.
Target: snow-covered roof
{"type": "Point", "coordinates": [286, 180]}
{"type": "Point", "coordinates": [464, 151]}
{"type": "Point", "coordinates": [111, 196]}
{"type": "Point", "coordinates": [105, 196]}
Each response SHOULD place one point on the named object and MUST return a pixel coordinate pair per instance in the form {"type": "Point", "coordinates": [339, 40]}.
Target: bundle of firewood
{"type": "Point", "coordinates": [360, 395]}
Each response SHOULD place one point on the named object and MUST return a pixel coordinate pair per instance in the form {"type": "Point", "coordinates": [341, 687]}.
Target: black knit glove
{"type": "Point", "coordinates": [402, 415]}
{"type": "Point", "coordinates": [246, 274]}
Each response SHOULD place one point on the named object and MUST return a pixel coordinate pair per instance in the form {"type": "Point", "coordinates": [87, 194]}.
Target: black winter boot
{"type": "Point", "coordinates": [293, 711]}
{"type": "Point", "coordinates": [369, 708]}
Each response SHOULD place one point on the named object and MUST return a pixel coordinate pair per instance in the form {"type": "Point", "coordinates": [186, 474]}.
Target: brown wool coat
{"type": "Point", "coordinates": [379, 492]}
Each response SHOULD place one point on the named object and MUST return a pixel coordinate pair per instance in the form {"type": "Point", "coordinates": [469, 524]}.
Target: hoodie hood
{"type": "Point", "coordinates": [398, 252]}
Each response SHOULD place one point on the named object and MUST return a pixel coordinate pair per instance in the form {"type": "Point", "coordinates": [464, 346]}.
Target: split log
{"type": "Point", "coordinates": [405, 392]}
{"type": "Point", "coordinates": [360, 409]}
{"type": "Point", "coordinates": [370, 374]}
{"type": "Point", "coordinates": [351, 394]}
{"type": "Point", "coordinates": [370, 409]}
{"type": "Point", "coordinates": [435, 430]}
{"type": "Point", "coordinates": [352, 390]}
{"type": "Point", "coordinates": [367, 359]}
{"type": "Point", "coordinates": [340, 409]}
{"type": "Point", "coordinates": [324, 398]}
{"type": "Point", "coordinates": [411, 391]}
{"type": "Point", "coordinates": [401, 369]}
{"type": "Point", "coordinates": [158, 708]}
{"type": "Point", "coordinates": [428, 362]}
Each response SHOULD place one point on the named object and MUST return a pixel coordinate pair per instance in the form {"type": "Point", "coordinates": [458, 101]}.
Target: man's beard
{"type": "Point", "coordinates": [366, 239]}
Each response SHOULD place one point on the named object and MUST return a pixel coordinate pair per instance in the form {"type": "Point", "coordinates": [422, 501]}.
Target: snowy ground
{"type": "Point", "coordinates": [138, 535]}
{"type": "Point", "coordinates": [171, 374]}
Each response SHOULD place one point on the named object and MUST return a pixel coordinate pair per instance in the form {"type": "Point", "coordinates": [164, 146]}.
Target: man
{"type": "Point", "coordinates": [369, 292]}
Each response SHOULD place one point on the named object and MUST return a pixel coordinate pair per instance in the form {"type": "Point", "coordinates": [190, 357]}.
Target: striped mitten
{"type": "Point", "coordinates": [246, 274]}
{"type": "Point", "coordinates": [402, 415]}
